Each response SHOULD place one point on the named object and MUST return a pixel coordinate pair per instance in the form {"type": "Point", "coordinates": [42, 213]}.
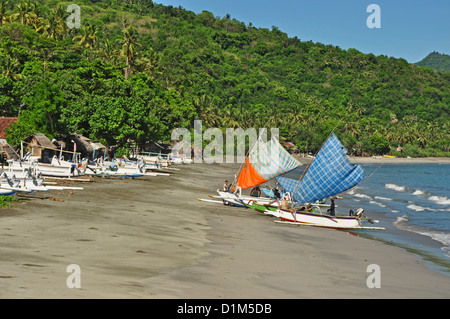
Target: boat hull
{"type": "Point", "coordinates": [315, 219]}
{"type": "Point", "coordinates": [246, 199]}
{"type": "Point", "coordinates": [261, 207]}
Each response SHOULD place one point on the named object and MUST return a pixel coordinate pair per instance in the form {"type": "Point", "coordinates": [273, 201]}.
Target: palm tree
{"type": "Point", "coordinates": [352, 129]}
{"type": "Point", "coordinates": [228, 118]}
{"type": "Point", "coordinates": [9, 67]}
{"type": "Point", "coordinates": [88, 37]}
{"type": "Point", "coordinates": [53, 27]}
{"type": "Point", "coordinates": [128, 47]}
{"type": "Point", "coordinates": [60, 13]}
{"type": "Point", "coordinates": [106, 49]}
{"type": "Point", "coordinates": [204, 106]}
{"type": "Point", "coordinates": [298, 114]}
{"type": "Point", "coordinates": [3, 4]}
{"type": "Point", "coordinates": [23, 11]}
{"type": "Point", "coordinates": [35, 17]}
{"type": "Point", "coordinates": [423, 142]}
{"type": "Point", "coordinates": [148, 62]}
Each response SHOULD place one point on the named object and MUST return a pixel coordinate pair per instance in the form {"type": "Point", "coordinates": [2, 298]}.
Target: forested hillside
{"type": "Point", "coordinates": [136, 70]}
{"type": "Point", "coordinates": [437, 61]}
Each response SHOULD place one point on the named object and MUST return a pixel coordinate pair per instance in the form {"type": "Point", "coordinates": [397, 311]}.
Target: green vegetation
{"type": "Point", "coordinates": [136, 70]}
{"type": "Point", "coordinates": [6, 200]}
{"type": "Point", "coordinates": [436, 61]}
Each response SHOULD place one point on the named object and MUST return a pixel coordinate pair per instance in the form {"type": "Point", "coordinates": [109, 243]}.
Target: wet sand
{"type": "Point", "coordinates": [151, 238]}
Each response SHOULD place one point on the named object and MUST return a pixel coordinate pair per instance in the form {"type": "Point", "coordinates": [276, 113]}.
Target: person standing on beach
{"type": "Point", "coordinates": [284, 203]}
{"type": "Point", "coordinates": [331, 209]}
{"type": "Point", "coordinates": [226, 187]}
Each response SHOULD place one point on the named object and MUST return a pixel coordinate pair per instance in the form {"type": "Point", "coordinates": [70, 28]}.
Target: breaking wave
{"type": "Point", "coordinates": [401, 219]}
{"type": "Point", "coordinates": [382, 198]}
{"type": "Point", "coordinates": [441, 200]}
{"type": "Point", "coordinates": [418, 192]}
{"type": "Point", "coordinates": [440, 236]}
{"type": "Point", "coordinates": [377, 203]}
{"type": "Point", "coordinates": [418, 208]}
{"type": "Point", "coordinates": [396, 187]}
{"type": "Point", "coordinates": [362, 196]}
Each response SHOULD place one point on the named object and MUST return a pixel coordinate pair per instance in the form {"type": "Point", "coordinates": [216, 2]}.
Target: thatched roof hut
{"type": "Point", "coordinates": [39, 145]}
{"type": "Point", "coordinates": [8, 150]}
{"type": "Point", "coordinates": [85, 146]}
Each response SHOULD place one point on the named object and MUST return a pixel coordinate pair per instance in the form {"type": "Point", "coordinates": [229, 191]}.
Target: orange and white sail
{"type": "Point", "coordinates": [266, 161]}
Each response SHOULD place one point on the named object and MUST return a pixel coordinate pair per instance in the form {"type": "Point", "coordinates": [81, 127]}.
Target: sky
{"type": "Point", "coordinates": [409, 29]}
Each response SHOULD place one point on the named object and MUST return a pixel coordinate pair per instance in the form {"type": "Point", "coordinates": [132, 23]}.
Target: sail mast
{"type": "Point", "coordinates": [307, 167]}
{"type": "Point", "coordinates": [309, 164]}
{"type": "Point", "coordinates": [265, 163]}
{"type": "Point", "coordinates": [243, 163]}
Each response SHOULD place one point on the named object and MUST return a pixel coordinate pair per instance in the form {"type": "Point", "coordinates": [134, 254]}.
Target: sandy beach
{"type": "Point", "coordinates": [151, 238]}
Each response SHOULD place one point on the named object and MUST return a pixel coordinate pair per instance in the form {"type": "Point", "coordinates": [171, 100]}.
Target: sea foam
{"type": "Point", "coordinates": [440, 236]}
{"type": "Point", "coordinates": [396, 187]}
{"type": "Point", "coordinates": [417, 208]}
{"type": "Point", "coordinates": [377, 203]}
{"type": "Point", "coordinates": [362, 196]}
{"type": "Point", "coordinates": [382, 198]}
{"type": "Point", "coordinates": [441, 200]}
{"type": "Point", "coordinates": [401, 220]}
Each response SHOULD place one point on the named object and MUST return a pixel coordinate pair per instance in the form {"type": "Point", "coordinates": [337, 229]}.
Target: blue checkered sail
{"type": "Point", "coordinates": [329, 174]}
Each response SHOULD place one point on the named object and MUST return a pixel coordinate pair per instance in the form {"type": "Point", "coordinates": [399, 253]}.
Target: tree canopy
{"type": "Point", "coordinates": [137, 70]}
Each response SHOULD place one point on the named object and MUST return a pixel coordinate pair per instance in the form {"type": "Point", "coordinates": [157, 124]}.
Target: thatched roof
{"type": "Point", "coordinates": [40, 140]}
{"type": "Point", "coordinates": [85, 143]}
{"type": "Point", "coordinates": [8, 149]}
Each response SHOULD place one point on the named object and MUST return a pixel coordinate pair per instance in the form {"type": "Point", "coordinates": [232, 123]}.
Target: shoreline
{"type": "Point", "coordinates": [150, 238]}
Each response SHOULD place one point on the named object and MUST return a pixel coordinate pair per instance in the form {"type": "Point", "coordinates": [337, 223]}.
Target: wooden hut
{"type": "Point", "coordinates": [39, 145]}
{"type": "Point", "coordinates": [7, 152]}
{"type": "Point", "coordinates": [85, 146]}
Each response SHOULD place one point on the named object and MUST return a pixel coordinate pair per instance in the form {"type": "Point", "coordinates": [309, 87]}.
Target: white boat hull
{"type": "Point", "coordinates": [246, 199]}
{"type": "Point", "coordinates": [315, 219]}
{"type": "Point", "coordinates": [45, 169]}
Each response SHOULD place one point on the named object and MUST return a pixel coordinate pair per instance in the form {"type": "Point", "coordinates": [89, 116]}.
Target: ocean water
{"type": "Point", "coordinates": [412, 201]}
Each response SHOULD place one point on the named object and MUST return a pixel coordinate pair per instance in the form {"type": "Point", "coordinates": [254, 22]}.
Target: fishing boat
{"type": "Point", "coordinates": [262, 207]}
{"type": "Point", "coordinates": [273, 192]}
{"type": "Point", "coordinates": [158, 160]}
{"type": "Point", "coordinates": [112, 171]}
{"type": "Point", "coordinates": [265, 161]}
{"type": "Point", "coordinates": [181, 160]}
{"type": "Point", "coordinates": [117, 168]}
{"type": "Point", "coordinates": [237, 199]}
{"type": "Point", "coordinates": [27, 181]}
{"type": "Point", "coordinates": [329, 174]}
{"type": "Point", "coordinates": [9, 183]}
{"type": "Point", "coordinates": [44, 169]}
{"type": "Point", "coordinates": [6, 192]}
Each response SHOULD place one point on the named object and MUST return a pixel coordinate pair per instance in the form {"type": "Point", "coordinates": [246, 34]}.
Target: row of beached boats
{"type": "Point", "coordinates": [294, 201]}
{"type": "Point", "coordinates": [30, 175]}
{"type": "Point", "coordinates": [300, 201]}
